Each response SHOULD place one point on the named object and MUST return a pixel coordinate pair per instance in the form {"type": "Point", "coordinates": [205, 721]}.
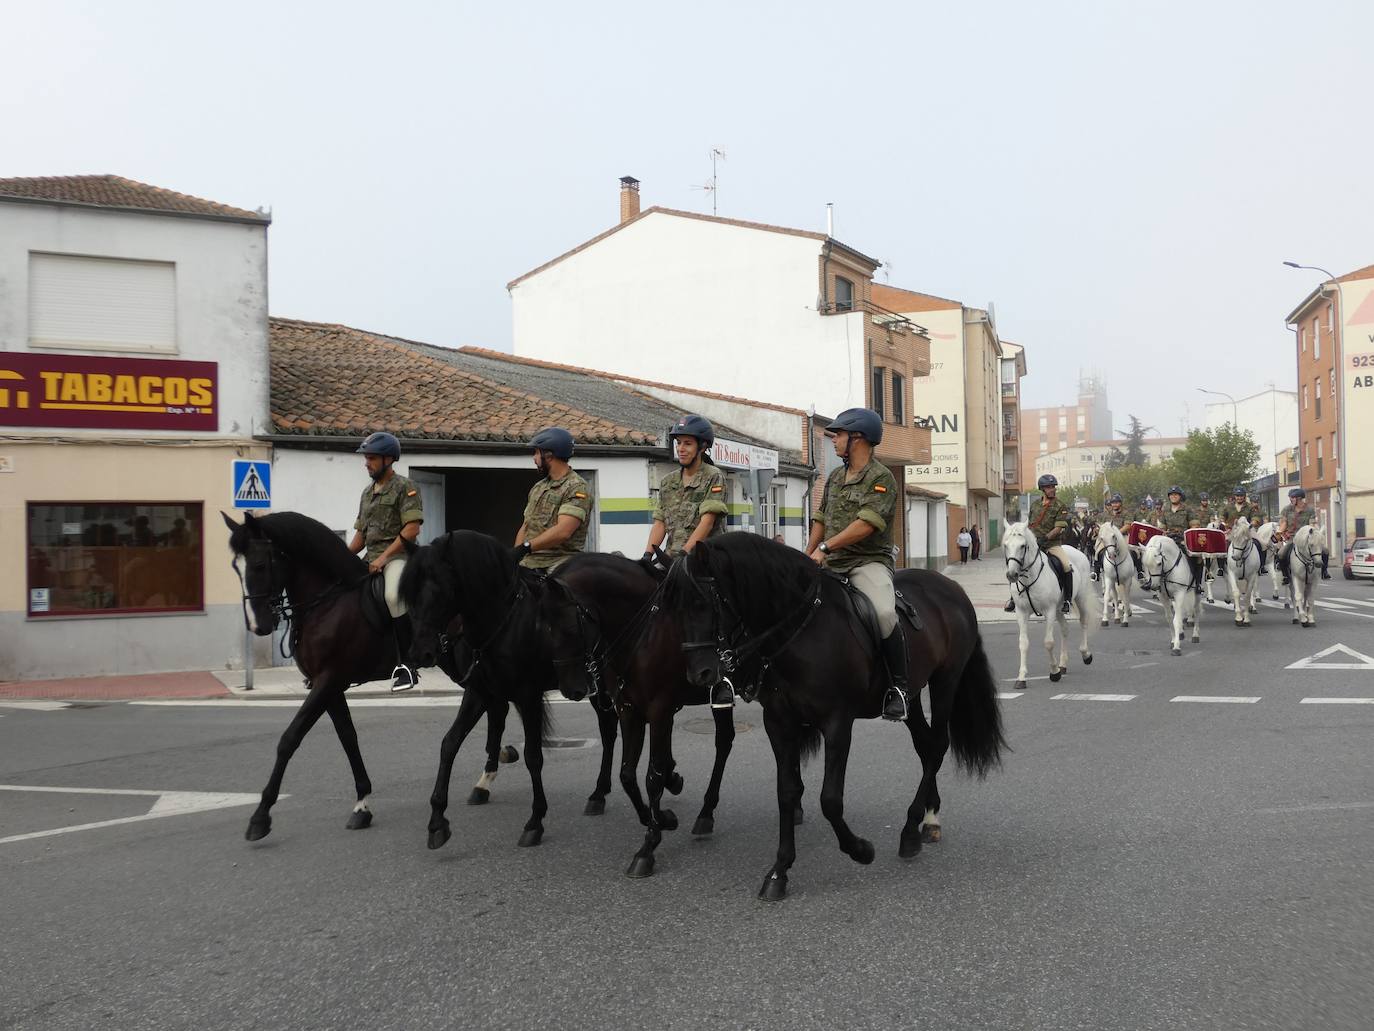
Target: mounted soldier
{"type": "Point", "coordinates": [1241, 507]}
{"type": "Point", "coordinates": [389, 514]}
{"type": "Point", "coordinates": [852, 534]}
{"type": "Point", "coordinates": [1204, 513]}
{"type": "Point", "coordinates": [1048, 521]}
{"type": "Point", "coordinates": [556, 512]}
{"type": "Point", "coordinates": [1294, 516]}
{"type": "Point", "coordinates": [1115, 514]}
{"type": "Point", "coordinates": [691, 506]}
{"type": "Point", "coordinates": [1176, 517]}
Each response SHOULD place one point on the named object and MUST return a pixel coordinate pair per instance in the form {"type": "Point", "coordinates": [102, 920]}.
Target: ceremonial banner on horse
{"type": "Point", "coordinates": [1142, 532]}
{"type": "Point", "coordinates": [1203, 541]}
{"type": "Point", "coordinates": [93, 392]}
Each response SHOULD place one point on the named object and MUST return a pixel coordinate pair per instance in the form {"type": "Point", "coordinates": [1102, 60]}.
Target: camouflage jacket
{"type": "Point", "coordinates": [1118, 519]}
{"type": "Point", "coordinates": [1292, 519]}
{"type": "Point", "coordinates": [872, 497]}
{"type": "Point", "coordinates": [681, 505]}
{"type": "Point", "coordinates": [1203, 516]}
{"type": "Point", "coordinates": [548, 500]}
{"type": "Point", "coordinates": [1175, 522]}
{"type": "Point", "coordinates": [1247, 509]}
{"type": "Point", "coordinates": [1045, 518]}
{"type": "Point", "coordinates": [382, 512]}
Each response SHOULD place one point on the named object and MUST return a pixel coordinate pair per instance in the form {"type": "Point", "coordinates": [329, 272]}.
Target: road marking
{"type": "Point", "coordinates": [1337, 701]}
{"type": "Point", "coordinates": [1092, 697]}
{"type": "Point", "coordinates": [1013, 680]}
{"type": "Point", "coordinates": [169, 803]}
{"type": "Point", "coordinates": [1007, 696]}
{"type": "Point", "coordinates": [1356, 601]}
{"type": "Point", "coordinates": [1315, 661]}
{"type": "Point", "coordinates": [1142, 665]}
{"type": "Point", "coordinates": [1322, 603]}
{"type": "Point", "coordinates": [36, 706]}
{"type": "Point", "coordinates": [1317, 807]}
{"type": "Point", "coordinates": [1211, 698]}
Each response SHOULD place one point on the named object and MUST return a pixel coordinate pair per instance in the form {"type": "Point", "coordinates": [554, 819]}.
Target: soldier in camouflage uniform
{"type": "Point", "coordinates": [691, 506]}
{"type": "Point", "coordinates": [1240, 507]}
{"type": "Point", "coordinates": [555, 523]}
{"type": "Point", "coordinates": [1116, 515]}
{"type": "Point", "coordinates": [852, 534]}
{"type": "Point", "coordinates": [389, 514]}
{"type": "Point", "coordinates": [1048, 521]}
{"type": "Point", "coordinates": [1176, 517]}
{"type": "Point", "coordinates": [1294, 516]}
{"type": "Point", "coordinates": [1204, 514]}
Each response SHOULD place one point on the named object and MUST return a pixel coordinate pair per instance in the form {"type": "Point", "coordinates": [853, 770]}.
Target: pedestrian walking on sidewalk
{"type": "Point", "coordinates": [977, 549]}
{"type": "Point", "coordinates": [964, 540]}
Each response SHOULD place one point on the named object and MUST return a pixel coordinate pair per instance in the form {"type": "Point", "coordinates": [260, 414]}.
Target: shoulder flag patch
{"type": "Point", "coordinates": [411, 493]}
{"type": "Point", "coordinates": [880, 488]}
{"type": "Point", "coordinates": [717, 489]}
{"type": "Point", "coordinates": [578, 494]}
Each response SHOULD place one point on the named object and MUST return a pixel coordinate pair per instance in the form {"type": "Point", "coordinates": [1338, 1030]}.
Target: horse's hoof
{"type": "Point", "coordinates": [360, 820]}
{"type": "Point", "coordinates": [1106, 622]}
{"type": "Point", "coordinates": [1054, 676]}
{"type": "Point", "coordinates": [1195, 638]}
{"type": "Point", "coordinates": [640, 866]}
{"type": "Point", "coordinates": [798, 816]}
{"type": "Point", "coordinates": [531, 837]}
{"type": "Point", "coordinates": [1088, 659]}
{"type": "Point", "coordinates": [1295, 620]}
{"type": "Point", "coordinates": [438, 836]}
{"type": "Point", "coordinates": [258, 829]}
{"type": "Point", "coordinates": [1175, 651]}
{"type": "Point", "coordinates": [1020, 685]}
{"type": "Point", "coordinates": [509, 754]}
{"type": "Point", "coordinates": [931, 833]}
{"type": "Point", "coordinates": [479, 796]}
{"type": "Point", "coordinates": [863, 851]}
{"type": "Point", "coordinates": [774, 888]}
{"type": "Point", "coordinates": [1308, 626]}
{"type": "Point", "coordinates": [596, 806]}
{"type": "Point", "coordinates": [703, 827]}
{"type": "Point", "coordinates": [910, 846]}
{"type": "Point", "coordinates": [667, 820]}
{"type": "Point", "coordinates": [674, 783]}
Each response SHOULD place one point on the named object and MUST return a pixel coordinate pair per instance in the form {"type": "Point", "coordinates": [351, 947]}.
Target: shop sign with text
{"type": "Point", "coordinates": [81, 392]}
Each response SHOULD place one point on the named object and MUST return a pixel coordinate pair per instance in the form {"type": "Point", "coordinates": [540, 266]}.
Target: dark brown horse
{"type": "Point", "coordinates": [768, 616]}
{"type": "Point", "coordinates": [295, 568]}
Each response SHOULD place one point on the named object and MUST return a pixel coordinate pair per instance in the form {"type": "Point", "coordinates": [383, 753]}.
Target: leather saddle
{"type": "Point", "coordinates": [868, 617]}
{"type": "Point", "coordinates": [375, 609]}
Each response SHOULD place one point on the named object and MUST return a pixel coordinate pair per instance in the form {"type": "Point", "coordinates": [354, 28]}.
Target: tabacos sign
{"type": "Point", "coordinates": [80, 392]}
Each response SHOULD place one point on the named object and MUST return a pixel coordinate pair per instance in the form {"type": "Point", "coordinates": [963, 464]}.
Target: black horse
{"type": "Point", "coordinates": [770, 617]}
{"type": "Point", "coordinates": [501, 658]}
{"type": "Point", "coordinates": [598, 615]}
{"type": "Point", "coordinates": [293, 567]}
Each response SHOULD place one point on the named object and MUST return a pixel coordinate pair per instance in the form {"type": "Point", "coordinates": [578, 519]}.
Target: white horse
{"type": "Point", "coordinates": [1168, 569]}
{"type": "Point", "coordinates": [1036, 591]}
{"type": "Point", "coordinates": [1305, 569]}
{"type": "Point", "coordinates": [1242, 570]}
{"type": "Point", "coordinates": [1118, 575]}
{"type": "Point", "coordinates": [1264, 537]}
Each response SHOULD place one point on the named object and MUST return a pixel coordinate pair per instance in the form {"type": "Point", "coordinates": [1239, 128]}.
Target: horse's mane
{"type": "Point", "coordinates": [764, 579]}
{"type": "Point", "coordinates": [304, 539]}
{"type": "Point", "coordinates": [473, 569]}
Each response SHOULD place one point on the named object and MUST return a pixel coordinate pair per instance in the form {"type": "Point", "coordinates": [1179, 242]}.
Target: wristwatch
{"type": "Point", "coordinates": [527, 546]}
{"type": "Point", "coordinates": [823, 548]}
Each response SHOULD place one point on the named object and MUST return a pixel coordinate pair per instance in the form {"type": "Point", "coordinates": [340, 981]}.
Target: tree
{"type": "Point", "coordinates": [1216, 460]}
{"type": "Point", "coordinates": [1135, 443]}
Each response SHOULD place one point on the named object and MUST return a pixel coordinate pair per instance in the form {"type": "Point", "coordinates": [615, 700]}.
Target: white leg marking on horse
{"type": "Point", "coordinates": [252, 619]}
{"type": "Point", "coordinates": [484, 782]}
{"type": "Point", "coordinates": [932, 819]}
{"type": "Point", "coordinates": [362, 806]}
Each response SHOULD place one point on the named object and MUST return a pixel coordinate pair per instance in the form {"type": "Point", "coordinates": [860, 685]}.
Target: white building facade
{"type": "Point", "coordinates": [1271, 417]}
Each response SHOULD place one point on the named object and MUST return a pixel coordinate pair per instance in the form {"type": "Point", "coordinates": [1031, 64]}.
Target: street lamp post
{"type": "Point", "coordinates": [1235, 421]}
{"type": "Point", "coordinates": [1343, 469]}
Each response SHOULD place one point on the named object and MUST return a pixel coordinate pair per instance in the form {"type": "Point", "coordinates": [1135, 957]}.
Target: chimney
{"type": "Point", "coordinates": [629, 198]}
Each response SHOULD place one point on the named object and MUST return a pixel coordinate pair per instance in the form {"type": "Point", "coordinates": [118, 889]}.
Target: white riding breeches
{"type": "Point", "coordinates": [391, 577]}
{"type": "Point", "coordinates": [874, 582]}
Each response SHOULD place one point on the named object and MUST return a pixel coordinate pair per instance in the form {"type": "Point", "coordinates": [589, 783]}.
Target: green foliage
{"type": "Point", "coordinates": [1134, 454]}
{"type": "Point", "coordinates": [1216, 460]}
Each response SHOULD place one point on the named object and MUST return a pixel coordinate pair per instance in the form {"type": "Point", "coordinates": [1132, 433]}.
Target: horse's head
{"type": "Point", "coordinates": [1240, 534]}
{"type": "Point", "coordinates": [1307, 542]}
{"type": "Point", "coordinates": [263, 572]}
{"type": "Point", "coordinates": [692, 596]}
{"type": "Point", "coordinates": [573, 636]}
{"type": "Point", "coordinates": [1019, 547]}
{"type": "Point", "coordinates": [429, 589]}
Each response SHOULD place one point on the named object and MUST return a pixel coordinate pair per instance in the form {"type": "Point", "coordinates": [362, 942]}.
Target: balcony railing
{"type": "Point", "coordinates": [1008, 389]}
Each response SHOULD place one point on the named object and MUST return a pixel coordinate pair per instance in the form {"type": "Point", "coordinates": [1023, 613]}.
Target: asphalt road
{"type": "Point", "coordinates": [1141, 863]}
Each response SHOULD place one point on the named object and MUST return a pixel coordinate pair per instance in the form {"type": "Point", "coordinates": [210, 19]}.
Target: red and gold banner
{"type": "Point", "coordinates": [92, 392]}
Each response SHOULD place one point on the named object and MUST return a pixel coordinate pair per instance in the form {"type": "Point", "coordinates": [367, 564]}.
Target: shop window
{"type": "Point", "coordinates": [90, 558]}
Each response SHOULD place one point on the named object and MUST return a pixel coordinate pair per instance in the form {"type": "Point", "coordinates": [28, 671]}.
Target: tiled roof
{"type": "Point", "coordinates": [331, 380]}
{"type": "Point", "coordinates": [763, 226]}
{"type": "Point", "coordinates": [114, 191]}
{"type": "Point", "coordinates": [903, 301]}
{"type": "Point", "coordinates": [1360, 273]}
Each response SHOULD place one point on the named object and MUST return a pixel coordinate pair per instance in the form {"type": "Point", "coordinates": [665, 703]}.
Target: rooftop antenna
{"type": "Point", "coordinates": [713, 186]}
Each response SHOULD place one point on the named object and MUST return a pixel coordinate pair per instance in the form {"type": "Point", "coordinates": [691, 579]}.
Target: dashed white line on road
{"type": "Point", "coordinates": [1212, 698]}
{"type": "Point", "coordinates": [1012, 680]}
{"type": "Point", "coordinates": [1316, 807]}
{"type": "Point", "coordinates": [1337, 701]}
{"type": "Point", "coordinates": [1092, 697]}
{"type": "Point", "coordinates": [1356, 601]}
{"type": "Point", "coordinates": [36, 705]}
{"type": "Point", "coordinates": [1142, 665]}
{"type": "Point", "coordinates": [1342, 609]}
{"type": "Point", "coordinates": [1007, 696]}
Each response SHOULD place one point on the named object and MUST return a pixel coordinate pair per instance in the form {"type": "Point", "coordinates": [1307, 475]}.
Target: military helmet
{"type": "Point", "coordinates": [1115, 499]}
{"type": "Point", "coordinates": [555, 440]}
{"type": "Point", "coordinates": [1176, 489]}
{"type": "Point", "coordinates": [1239, 492]}
{"type": "Point", "coordinates": [863, 421]}
{"type": "Point", "coordinates": [693, 426]}
{"type": "Point", "coordinates": [1046, 480]}
{"type": "Point", "coordinates": [1297, 492]}
{"type": "Point", "coordinates": [1202, 495]}
{"type": "Point", "coordinates": [384, 444]}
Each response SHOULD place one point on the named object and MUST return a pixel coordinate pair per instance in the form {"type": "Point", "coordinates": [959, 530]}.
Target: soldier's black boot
{"type": "Point", "coordinates": [723, 694]}
{"type": "Point", "coordinates": [1283, 565]}
{"type": "Point", "coordinates": [405, 677]}
{"type": "Point", "coordinates": [1066, 585]}
{"type": "Point", "coordinates": [1326, 558]}
{"type": "Point", "coordinates": [896, 706]}
{"type": "Point", "coordinates": [1263, 557]}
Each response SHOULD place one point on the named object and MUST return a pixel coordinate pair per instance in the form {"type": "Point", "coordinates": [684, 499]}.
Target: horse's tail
{"type": "Point", "coordinates": [975, 718]}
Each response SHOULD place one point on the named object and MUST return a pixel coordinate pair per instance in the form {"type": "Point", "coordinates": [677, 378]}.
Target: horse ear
{"type": "Point", "coordinates": [229, 522]}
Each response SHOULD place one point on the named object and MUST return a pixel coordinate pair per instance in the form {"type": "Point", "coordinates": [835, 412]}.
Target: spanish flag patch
{"type": "Point", "coordinates": [411, 493]}
{"type": "Point", "coordinates": [578, 494]}
{"type": "Point", "coordinates": [880, 488]}
{"type": "Point", "coordinates": [717, 489]}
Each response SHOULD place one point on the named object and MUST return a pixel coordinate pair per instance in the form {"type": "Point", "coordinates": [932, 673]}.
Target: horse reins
{"type": "Point", "coordinates": [517, 595]}
{"type": "Point", "coordinates": [279, 603]}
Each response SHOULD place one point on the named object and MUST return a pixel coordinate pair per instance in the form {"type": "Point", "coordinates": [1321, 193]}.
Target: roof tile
{"type": "Point", "coordinates": [115, 191]}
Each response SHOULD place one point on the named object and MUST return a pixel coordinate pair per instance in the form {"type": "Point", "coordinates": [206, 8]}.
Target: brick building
{"type": "Point", "coordinates": [1044, 430]}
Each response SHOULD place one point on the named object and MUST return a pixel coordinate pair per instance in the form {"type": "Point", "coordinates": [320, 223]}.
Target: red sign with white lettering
{"type": "Point", "coordinates": [91, 392]}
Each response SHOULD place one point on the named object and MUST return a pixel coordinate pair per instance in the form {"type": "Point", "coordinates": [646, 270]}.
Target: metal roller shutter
{"type": "Point", "coordinates": [101, 303]}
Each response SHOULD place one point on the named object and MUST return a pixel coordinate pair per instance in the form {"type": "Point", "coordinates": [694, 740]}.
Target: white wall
{"type": "Point", "coordinates": [700, 304]}
{"type": "Point", "coordinates": [221, 295]}
{"type": "Point", "coordinates": [1271, 416]}
{"type": "Point", "coordinates": [781, 429]}
{"type": "Point", "coordinates": [941, 395]}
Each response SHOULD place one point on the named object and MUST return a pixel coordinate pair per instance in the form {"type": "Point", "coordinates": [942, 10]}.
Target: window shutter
{"type": "Point", "coordinates": [101, 303]}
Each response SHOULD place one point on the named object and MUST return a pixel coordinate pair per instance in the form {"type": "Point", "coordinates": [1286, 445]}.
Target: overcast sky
{"type": "Point", "coordinates": [1121, 179]}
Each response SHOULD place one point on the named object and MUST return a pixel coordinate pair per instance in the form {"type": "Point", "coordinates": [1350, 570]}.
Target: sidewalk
{"type": "Point", "coordinates": [985, 583]}
{"type": "Point", "coordinates": [277, 682]}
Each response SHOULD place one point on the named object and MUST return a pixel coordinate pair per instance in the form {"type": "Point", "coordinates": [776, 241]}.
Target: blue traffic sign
{"type": "Point", "coordinates": [252, 484]}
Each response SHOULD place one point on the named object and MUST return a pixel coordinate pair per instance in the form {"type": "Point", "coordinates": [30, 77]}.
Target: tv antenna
{"type": "Point", "coordinates": [713, 186]}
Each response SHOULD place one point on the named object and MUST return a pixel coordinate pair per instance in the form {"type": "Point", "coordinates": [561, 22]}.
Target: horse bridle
{"type": "Point", "coordinates": [278, 601]}
{"type": "Point", "coordinates": [517, 594]}
{"type": "Point", "coordinates": [1163, 575]}
{"type": "Point", "coordinates": [1023, 585]}
{"type": "Point", "coordinates": [594, 652]}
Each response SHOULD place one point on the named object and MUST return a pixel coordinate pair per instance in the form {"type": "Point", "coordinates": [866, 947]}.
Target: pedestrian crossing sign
{"type": "Point", "coordinates": [252, 484]}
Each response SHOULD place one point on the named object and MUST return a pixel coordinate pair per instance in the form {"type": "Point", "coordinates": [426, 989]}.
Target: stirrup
{"type": "Point", "coordinates": [896, 708]}
{"type": "Point", "coordinates": [723, 694]}
{"type": "Point", "coordinates": [1067, 607]}
{"type": "Point", "coordinates": [405, 679]}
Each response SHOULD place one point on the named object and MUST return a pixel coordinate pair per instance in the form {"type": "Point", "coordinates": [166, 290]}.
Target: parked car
{"type": "Point", "coordinates": [1359, 559]}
